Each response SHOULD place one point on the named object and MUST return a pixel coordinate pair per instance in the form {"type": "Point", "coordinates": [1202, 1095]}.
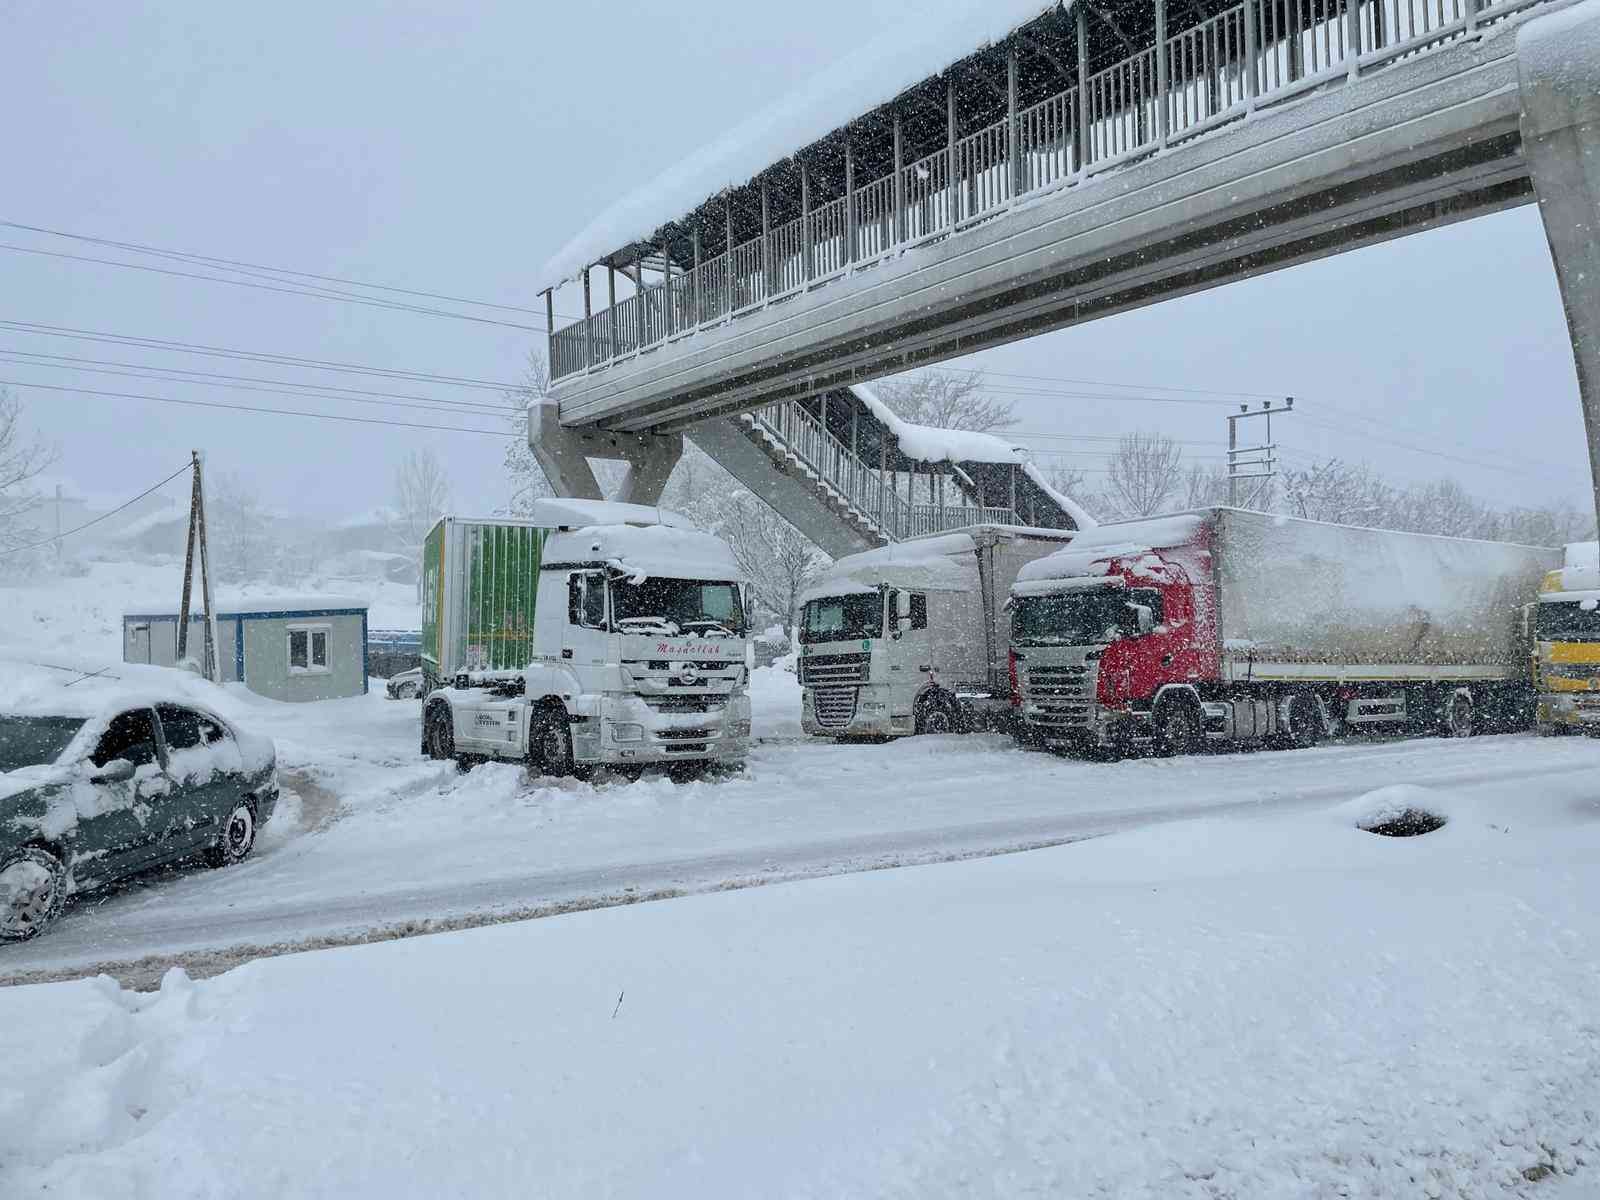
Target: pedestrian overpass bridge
{"type": "Point", "coordinates": [1100, 157]}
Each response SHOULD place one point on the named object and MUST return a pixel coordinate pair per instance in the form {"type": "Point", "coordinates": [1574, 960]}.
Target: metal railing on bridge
{"type": "Point", "coordinates": [1254, 53]}
{"type": "Point", "coordinates": [868, 489]}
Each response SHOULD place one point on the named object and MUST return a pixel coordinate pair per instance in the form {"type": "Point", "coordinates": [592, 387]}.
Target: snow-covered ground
{"type": "Point", "coordinates": [1259, 1004]}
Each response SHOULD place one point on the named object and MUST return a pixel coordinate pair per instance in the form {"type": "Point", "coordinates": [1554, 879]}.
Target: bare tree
{"type": "Point", "coordinates": [1345, 493]}
{"type": "Point", "coordinates": [947, 400]}
{"type": "Point", "coordinates": [1204, 487]}
{"type": "Point", "coordinates": [523, 472]}
{"type": "Point", "coordinates": [1145, 475]}
{"type": "Point", "coordinates": [22, 459]}
{"type": "Point", "coordinates": [778, 559]}
{"type": "Point", "coordinates": [421, 494]}
{"type": "Point", "coordinates": [237, 529]}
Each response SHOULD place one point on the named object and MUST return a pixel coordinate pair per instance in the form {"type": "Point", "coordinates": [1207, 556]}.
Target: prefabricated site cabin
{"type": "Point", "coordinates": [283, 647]}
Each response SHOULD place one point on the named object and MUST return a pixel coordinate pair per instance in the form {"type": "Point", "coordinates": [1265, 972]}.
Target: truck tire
{"type": "Point", "coordinates": [438, 733]}
{"type": "Point", "coordinates": [937, 713]}
{"type": "Point", "coordinates": [1177, 729]}
{"type": "Point", "coordinates": [1305, 723]}
{"type": "Point", "coordinates": [551, 745]}
{"type": "Point", "coordinates": [1458, 716]}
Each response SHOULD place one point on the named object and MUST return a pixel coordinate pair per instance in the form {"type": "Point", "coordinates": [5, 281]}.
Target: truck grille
{"type": "Point", "coordinates": [1063, 695]}
{"type": "Point", "coordinates": [834, 668]}
{"type": "Point", "coordinates": [684, 741]}
{"type": "Point", "coordinates": [685, 704]}
{"type": "Point", "coordinates": [834, 706]}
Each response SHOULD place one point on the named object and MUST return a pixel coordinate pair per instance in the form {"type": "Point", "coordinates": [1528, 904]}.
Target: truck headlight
{"type": "Point", "coordinates": [626, 731]}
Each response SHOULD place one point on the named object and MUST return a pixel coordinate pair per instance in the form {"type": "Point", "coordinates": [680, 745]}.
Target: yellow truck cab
{"type": "Point", "coordinates": [1566, 644]}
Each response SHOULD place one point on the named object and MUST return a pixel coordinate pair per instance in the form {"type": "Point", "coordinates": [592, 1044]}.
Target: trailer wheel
{"type": "Point", "coordinates": [1177, 729]}
{"type": "Point", "coordinates": [438, 733]}
{"type": "Point", "coordinates": [937, 713]}
{"type": "Point", "coordinates": [1459, 721]}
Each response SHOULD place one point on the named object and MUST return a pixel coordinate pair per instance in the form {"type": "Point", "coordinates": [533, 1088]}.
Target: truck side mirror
{"type": "Point", "coordinates": [1144, 618]}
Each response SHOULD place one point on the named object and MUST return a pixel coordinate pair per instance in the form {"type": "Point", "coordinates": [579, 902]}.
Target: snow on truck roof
{"type": "Point", "coordinates": [1580, 568]}
{"type": "Point", "coordinates": [1092, 549]}
{"type": "Point", "coordinates": [646, 551]}
{"type": "Point", "coordinates": [828, 100]}
{"type": "Point", "coordinates": [287, 605]}
{"type": "Point", "coordinates": [553, 512]}
{"type": "Point", "coordinates": [931, 564]}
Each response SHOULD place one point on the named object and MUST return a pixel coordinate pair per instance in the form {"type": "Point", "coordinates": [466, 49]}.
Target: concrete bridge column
{"type": "Point", "coordinates": [1558, 66]}
{"type": "Point", "coordinates": [564, 453]}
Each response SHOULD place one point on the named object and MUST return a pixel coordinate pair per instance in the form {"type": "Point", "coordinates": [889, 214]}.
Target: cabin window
{"type": "Point", "coordinates": [308, 649]}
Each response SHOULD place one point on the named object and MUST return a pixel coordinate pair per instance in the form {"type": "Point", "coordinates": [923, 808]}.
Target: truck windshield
{"type": "Point", "coordinates": [842, 618]}
{"type": "Point", "coordinates": [1080, 618]}
{"type": "Point", "coordinates": [34, 741]}
{"type": "Point", "coordinates": [1567, 621]}
{"type": "Point", "coordinates": [677, 606]}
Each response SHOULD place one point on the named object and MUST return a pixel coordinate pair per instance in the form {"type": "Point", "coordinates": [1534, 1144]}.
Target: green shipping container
{"type": "Point", "coordinates": [480, 582]}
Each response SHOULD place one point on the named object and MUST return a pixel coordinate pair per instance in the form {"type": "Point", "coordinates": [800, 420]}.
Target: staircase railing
{"type": "Point", "coordinates": [862, 485]}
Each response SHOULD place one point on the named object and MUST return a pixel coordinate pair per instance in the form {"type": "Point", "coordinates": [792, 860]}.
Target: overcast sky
{"type": "Point", "coordinates": [453, 148]}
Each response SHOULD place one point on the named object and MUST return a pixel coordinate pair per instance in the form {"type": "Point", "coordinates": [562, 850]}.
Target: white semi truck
{"type": "Point", "coordinates": [593, 633]}
{"type": "Point", "coordinates": [912, 638]}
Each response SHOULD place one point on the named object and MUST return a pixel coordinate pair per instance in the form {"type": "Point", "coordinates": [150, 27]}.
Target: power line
{"type": "Point", "coordinates": [212, 379]}
{"type": "Point", "coordinates": [76, 528]}
{"type": "Point", "coordinates": [188, 256]}
{"type": "Point", "coordinates": [195, 348]}
{"type": "Point", "coordinates": [282, 412]}
{"type": "Point", "coordinates": [322, 294]}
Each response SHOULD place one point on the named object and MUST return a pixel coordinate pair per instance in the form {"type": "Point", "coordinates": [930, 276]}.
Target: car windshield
{"type": "Point", "coordinates": [1567, 621]}
{"type": "Point", "coordinates": [677, 606]}
{"type": "Point", "coordinates": [842, 618]}
{"type": "Point", "coordinates": [32, 741]}
{"type": "Point", "coordinates": [1074, 618]}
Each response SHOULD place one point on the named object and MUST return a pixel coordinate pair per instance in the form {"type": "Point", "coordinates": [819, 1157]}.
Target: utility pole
{"type": "Point", "coordinates": [1261, 459]}
{"type": "Point", "coordinates": [58, 525]}
{"type": "Point", "coordinates": [210, 665]}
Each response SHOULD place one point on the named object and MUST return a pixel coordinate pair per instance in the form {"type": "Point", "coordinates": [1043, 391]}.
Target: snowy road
{"type": "Point", "coordinates": [411, 842]}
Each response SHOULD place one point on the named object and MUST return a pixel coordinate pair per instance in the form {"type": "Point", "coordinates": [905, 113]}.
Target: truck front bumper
{"type": "Point", "coordinates": [1579, 710]}
{"type": "Point", "coordinates": [1095, 725]}
{"type": "Point", "coordinates": [873, 714]}
{"type": "Point", "coordinates": [627, 731]}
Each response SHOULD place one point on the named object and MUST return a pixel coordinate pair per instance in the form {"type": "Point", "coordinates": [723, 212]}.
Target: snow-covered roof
{"type": "Point", "coordinates": [553, 512]}
{"type": "Point", "coordinates": [1091, 551]}
{"type": "Point", "coordinates": [646, 551]}
{"type": "Point", "coordinates": [235, 604]}
{"type": "Point", "coordinates": [829, 99]}
{"type": "Point", "coordinates": [926, 443]}
{"type": "Point", "coordinates": [1580, 569]}
{"type": "Point", "coordinates": [940, 563]}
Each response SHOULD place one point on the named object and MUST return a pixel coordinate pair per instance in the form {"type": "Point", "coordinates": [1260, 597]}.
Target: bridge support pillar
{"type": "Point", "coordinates": [564, 453]}
{"type": "Point", "coordinates": [1560, 89]}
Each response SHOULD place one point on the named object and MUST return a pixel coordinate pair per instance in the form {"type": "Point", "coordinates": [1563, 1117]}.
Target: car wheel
{"type": "Point", "coordinates": [438, 737]}
{"type": "Point", "coordinates": [1177, 730]}
{"type": "Point", "coordinates": [236, 838]}
{"type": "Point", "coordinates": [33, 890]}
{"type": "Point", "coordinates": [406, 691]}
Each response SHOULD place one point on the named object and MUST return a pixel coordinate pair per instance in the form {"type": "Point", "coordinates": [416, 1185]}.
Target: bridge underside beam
{"type": "Point", "coordinates": [1422, 144]}
{"type": "Point", "coordinates": [564, 455]}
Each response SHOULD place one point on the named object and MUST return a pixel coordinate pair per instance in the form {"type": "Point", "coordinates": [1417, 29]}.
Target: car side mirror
{"type": "Point", "coordinates": [118, 770]}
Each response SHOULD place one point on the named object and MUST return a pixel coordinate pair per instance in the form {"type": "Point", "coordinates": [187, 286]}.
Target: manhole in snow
{"type": "Point", "coordinates": [1408, 822]}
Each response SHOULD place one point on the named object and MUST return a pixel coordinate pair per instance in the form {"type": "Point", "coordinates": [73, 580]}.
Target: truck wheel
{"type": "Point", "coordinates": [1177, 729]}
{"type": "Point", "coordinates": [552, 744]}
{"type": "Point", "coordinates": [1305, 723]}
{"type": "Point", "coordinates": [438, 734]}
{"type": "Point", "coordinates": [937, 714]}
{"type": "Point", "coordinates": [1459, 721]}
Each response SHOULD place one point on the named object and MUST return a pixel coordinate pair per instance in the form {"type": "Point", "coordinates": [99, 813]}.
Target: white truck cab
{"type": "Point", "coordinates": [912, 638]}
{"type": "Point", "coordinates": [594, 633]}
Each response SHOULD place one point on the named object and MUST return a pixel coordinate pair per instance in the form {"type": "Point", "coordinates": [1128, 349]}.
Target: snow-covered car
{"type": "Point", "coordinates": [105, 774]}
{"type": "Point", "coordinates": [405, 686]}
